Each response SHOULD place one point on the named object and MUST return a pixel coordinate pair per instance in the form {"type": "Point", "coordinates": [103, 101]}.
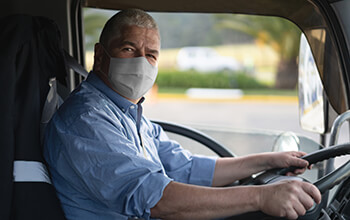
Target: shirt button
{"type": "Point", "coordinates": [132, 107]}
{"type": "Point", "coordinates": [123, 109]}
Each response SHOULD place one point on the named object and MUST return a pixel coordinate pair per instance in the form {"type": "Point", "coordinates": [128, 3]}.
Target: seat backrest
{"type": "Point", "coordinates": [31, 56]}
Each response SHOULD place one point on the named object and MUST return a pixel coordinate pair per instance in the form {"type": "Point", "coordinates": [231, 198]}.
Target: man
{"type": "Point", "coordinates": [109, 162]}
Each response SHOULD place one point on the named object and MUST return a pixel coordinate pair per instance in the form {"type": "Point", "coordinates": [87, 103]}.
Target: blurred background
{"type": "Point", "coordinates": [264, 49]}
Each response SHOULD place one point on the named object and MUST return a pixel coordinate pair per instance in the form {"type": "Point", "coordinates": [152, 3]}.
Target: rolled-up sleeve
{"type": "Point", "coordinates": [180, 164]}
{"type": "Point", "coordinates": [102, 164]}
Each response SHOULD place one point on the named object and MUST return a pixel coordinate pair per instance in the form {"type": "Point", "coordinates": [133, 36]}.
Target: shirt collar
{"type": "Point", "coordinates": [117, 99]}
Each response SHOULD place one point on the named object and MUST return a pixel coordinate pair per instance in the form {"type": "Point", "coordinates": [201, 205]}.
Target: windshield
{"type": "Point", "coordinates": [316, 20]}
{"type": "Point", "coordinates": [233, 77]}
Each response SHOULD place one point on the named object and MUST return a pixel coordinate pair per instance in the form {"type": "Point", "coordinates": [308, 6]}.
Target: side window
{"type": "Point", "coordinates": [311, 99]}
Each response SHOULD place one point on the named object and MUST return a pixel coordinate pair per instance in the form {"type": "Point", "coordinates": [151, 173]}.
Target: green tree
{"type": "Point", "coordinates": [282, 35]}
{"type": "Point", "coordinates": [93, 23]}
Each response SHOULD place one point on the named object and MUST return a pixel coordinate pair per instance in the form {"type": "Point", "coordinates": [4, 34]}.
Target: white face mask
{"type": "Point", "coordinates": [131, 77]}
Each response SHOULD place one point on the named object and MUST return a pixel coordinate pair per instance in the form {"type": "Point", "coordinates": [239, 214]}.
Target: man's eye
{"type": "Point", "coordinates": [152, 56]}
{"type": "Point", "coordinates": [128, 49]}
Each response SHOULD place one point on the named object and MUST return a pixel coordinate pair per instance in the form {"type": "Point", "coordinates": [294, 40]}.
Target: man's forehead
{"type": "Point", "coordinates": [135, 35]}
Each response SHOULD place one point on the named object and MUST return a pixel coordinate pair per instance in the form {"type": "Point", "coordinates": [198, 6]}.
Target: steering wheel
{"type": "Point", "coordinates": [324, 184]}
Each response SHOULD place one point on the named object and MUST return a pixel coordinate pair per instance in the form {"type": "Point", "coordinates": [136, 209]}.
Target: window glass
{"type": "Point", "coordinates": [233, 77]}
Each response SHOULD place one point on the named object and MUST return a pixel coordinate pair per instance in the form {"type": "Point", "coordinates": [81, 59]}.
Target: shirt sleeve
{"type": "Point", "coordinates": [100, 162]}
{"type": "Point", "coordinates": [180, 164]}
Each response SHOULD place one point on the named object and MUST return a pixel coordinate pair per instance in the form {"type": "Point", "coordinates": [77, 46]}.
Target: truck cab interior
{"type": "Point", "coordinates": [43, 60]}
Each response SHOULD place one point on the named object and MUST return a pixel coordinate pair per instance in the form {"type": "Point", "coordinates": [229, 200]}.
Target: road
{"type": "Point", "coordinates": [242, 115]}
{"type": "Point", "coordinates": [240, 125]}
{"type": "Point", "coordinates": [229, 115]}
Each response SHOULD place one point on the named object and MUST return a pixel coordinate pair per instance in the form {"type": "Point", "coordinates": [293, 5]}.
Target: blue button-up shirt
{"type": "Point", "coordinates": [98, 165]}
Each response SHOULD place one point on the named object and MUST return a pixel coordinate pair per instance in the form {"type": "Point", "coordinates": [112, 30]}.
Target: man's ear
{"type": "Point", "coordinates": [98, 55]}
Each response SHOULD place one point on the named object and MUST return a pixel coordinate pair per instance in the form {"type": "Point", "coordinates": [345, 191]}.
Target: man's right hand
{"type": "Point", "coordinates": [288, 199]}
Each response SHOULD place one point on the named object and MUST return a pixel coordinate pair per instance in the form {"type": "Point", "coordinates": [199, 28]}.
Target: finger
{"type": "Point", "coordinates": [312, 191]}
{"type": "Point", "coordinates": [299, 171]}
{"type": "Point", "coordinates": [292, 214]}
{"type": "Point", "coordinates": [299, 208]}
{"type": "Point", "coordinates": [298, 153]}
{"type": "Point", "coordinates": [299, 162]}
{"type": "Point", "coordinates": [296, 172]}
{"type": "Point", "coordinates": [290, 174]}
{"type": "Point", "coordinates": [306, 200]}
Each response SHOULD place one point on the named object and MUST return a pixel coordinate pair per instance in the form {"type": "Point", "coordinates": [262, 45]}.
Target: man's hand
{"type": "Point", "coordinates": [288, 199]}
{"type": "Point", "coordinates": [228, 170]}
{"type": "Point", "coordinates": [287, 159]}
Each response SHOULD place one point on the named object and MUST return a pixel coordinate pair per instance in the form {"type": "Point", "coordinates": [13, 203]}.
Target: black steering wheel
{"type": "Point", "coordinates": [324, 184]}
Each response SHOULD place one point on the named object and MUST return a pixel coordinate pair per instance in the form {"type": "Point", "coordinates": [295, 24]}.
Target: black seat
{"type": "Point", "coordinates": [31, 57]}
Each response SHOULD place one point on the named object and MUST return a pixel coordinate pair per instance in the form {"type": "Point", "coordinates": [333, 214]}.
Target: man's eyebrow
{"type": "Point", "coordinates": [153, 51]}
{"type": "Point", "coordinates": [128, 43]}
{"type": "Point", "coordinates": [156, 52]}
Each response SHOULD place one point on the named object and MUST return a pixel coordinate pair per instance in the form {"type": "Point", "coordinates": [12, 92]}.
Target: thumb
{"type": "Point", "coordinates": [300, 162]}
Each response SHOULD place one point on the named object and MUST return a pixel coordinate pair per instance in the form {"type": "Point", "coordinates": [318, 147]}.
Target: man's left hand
{"type": "Point", "coordinates": [287, 159]}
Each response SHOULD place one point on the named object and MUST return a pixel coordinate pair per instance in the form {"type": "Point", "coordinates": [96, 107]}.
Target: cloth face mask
{"type": "Point", "coordinates": [131, 77]}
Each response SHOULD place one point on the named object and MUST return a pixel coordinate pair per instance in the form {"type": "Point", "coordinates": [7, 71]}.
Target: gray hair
{"type": "Point", "coordinates": [128, 17]}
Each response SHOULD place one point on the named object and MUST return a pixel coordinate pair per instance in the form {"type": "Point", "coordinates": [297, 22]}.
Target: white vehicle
{"type": "Point", "coordinates": [205, 59]}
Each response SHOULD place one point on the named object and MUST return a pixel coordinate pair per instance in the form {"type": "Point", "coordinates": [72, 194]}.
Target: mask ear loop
{"type": "Point", "coordinates": [105, 50]}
